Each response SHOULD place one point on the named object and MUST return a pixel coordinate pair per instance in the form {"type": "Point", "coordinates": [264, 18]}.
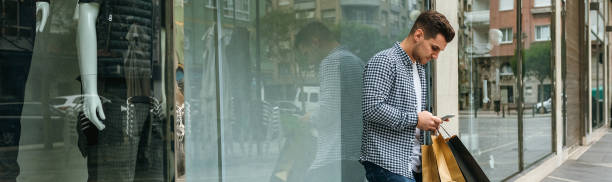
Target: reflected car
{"type": "Point", "coordinates": [70, 103]}
{"type": "Point", "coordinates": [288, 107]}
{"type": "Point", "coordinates": [544, 106]}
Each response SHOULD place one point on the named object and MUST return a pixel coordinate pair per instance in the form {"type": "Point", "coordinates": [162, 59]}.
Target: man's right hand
{"type": "Point", "coordinates": [427, 121]}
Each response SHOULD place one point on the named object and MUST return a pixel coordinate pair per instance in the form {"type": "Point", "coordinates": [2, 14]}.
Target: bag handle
{"type": "Point", "coordinates": [428, 134]}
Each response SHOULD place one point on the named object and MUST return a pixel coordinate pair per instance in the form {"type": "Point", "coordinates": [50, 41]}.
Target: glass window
{"type": "Point", "coordinates": [506, 5]}
{"type": "Point", "coordinates": [541, 3]}
{"type": "Point", "coordinates": [305, 14]}
{"type": "Point", "coordinates": [329, 15]}
{"type": "Point", "coordinates": [542, 33]}
{"type": "Point", "coordinates": [283, 2]}
{"type": "Point", "coordinates": [83, 103]}
{"type": "Point", "coordinates": [506, 35]}
{"type": "Point", "coordinates": [537, 73]}
{"type": "Point", "coordinates": [488, 89]}
{"type": "Point", "coordinates": [272, 97]}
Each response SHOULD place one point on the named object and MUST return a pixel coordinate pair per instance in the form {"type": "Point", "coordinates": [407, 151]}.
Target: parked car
{"type": "Point", "coordinates": [544, 106]}
{"type": "Point", "coordinates": [308, 97]}
{"type": "Point", "coordinates": [288, 107]}
{"type": "Point", "coordinates": [70, 103]}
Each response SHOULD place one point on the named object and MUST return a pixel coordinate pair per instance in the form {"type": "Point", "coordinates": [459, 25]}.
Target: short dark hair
{"type": "Point", "coordinates": [433, 23]}
{"type": "Point", "coordinates": [314, 30]}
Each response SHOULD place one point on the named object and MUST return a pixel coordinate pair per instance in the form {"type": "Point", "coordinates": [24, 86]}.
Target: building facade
{"type": "Point", "coordinates": [269, 90]}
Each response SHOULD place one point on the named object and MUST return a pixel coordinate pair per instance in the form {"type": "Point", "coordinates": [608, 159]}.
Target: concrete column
{"type": "Point", "coordinates": [446, 70]}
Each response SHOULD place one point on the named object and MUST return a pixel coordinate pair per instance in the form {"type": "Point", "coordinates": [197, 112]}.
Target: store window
{"type": "Point", "coordinates": [598, 70]}
{"type": "Point", "coordinates": [272, 98]}
{"type": "Point", "coordinates": [83, 103]}
{"type": "Point", "coordinates": [492, 101]}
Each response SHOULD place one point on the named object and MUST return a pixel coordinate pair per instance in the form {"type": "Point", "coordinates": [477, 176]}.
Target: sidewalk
{"type": "Point", "coordinates": [594, 165]}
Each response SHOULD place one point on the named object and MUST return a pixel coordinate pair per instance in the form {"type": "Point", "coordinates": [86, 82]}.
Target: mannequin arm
{"type": "Point", "coordinates": [42, 6]}
{"type": "Point", "coordinates": [88, 62]}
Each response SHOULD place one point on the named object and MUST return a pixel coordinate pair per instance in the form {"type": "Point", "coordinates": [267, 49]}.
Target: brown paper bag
{"type": "Point", "coordinates": [428, 164]}
{"type": "Point", "coordinates": [447, 165]}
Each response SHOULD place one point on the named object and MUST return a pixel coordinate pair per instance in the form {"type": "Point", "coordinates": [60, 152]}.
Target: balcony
{"type": "Point", "coordinates": [477, 17]}
{"type": "Point", "coordinates": [478, 50]}
{"type": "Point", "coordinates": [360, 3]}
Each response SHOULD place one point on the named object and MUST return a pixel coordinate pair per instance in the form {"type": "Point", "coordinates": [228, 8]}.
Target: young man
{"type": "Point", "coordinates": [394, 97]}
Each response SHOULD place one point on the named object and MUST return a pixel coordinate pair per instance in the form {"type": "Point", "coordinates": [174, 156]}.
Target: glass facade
{"type": "Point", "coordinates": [44, 134]}
{"type": "Point", "coordinates": [274, 95]}
{"type": "Point", "coordinates": [597, 73]}
{"type": "Point", "coordinates": [499, 113]}
{"type": "Point", "coordinates": [270, 90]}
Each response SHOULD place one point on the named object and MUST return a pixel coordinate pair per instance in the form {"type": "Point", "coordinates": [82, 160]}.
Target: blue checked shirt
{"type": "Point", "coordinates": [389, 110]}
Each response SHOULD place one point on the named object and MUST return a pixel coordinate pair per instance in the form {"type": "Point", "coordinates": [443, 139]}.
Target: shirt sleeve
{"type": "Point", "coordinates": [378, 80]}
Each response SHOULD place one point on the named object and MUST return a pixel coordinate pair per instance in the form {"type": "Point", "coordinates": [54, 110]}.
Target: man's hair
{"type": "Point", "coordinates": [433, 23]}
{"type": "Point", "coordinates": [314, 30]}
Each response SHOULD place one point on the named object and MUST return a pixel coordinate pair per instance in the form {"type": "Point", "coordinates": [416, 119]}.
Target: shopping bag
{"type": "Point", "coordinates": [447, 165]}
{"type": "Point", "coordinates": [428, 164]}
{"type": "Point", "coordinates": [468, 165]}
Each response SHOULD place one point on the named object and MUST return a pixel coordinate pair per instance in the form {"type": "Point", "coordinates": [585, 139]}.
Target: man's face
{"type": "Point", "coordinates": [427, 49]}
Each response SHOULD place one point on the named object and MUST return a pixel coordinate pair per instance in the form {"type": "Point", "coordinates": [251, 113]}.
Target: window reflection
{"type": "Point", "coordinates": [45, 136]}
{"type": "Point", "coordinates": [288, 79]}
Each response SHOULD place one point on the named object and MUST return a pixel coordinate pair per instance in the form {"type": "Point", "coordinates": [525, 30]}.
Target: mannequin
{"type": "Point", "coordinates": [43, 7]}
{"type": "Point", "coordinates": [116, 47]}
{"type": "Point", "coordinates": [87, 15]}
{"type": "Point", "coordinates": [88, 59]}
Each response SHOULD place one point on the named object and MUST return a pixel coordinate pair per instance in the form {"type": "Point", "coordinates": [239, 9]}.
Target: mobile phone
{"type": "Point", "coordinates": [447, 117]}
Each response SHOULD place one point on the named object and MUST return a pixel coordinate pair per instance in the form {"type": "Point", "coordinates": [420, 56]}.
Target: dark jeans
{"type": "Point", "coordinates": [130, 147]}
{"type": "Point", "coordinates": [418, 177]}
{"type": "Point", "coordinates": [14, 70]}
{"type": "Point", "coordinates": [375, 173]}
{"type": "Point", "coordinates": [9, 148]}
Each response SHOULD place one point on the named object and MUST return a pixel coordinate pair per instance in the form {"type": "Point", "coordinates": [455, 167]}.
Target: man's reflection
{"type": "Point", "coordinates": [337, 121]}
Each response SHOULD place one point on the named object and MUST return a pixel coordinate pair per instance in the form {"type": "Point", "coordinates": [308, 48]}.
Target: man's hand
{"type": "Point", "coordinates": [427, 121]}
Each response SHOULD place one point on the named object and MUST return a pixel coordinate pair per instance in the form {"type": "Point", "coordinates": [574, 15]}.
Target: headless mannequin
{"type": "Point", "coordinates": [88, 58]}
{"type": "Point", "coordinates": [128, 148]}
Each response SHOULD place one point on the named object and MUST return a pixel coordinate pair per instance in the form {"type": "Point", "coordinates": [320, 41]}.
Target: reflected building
{"type": "Point", "coordinates": [490, 31]}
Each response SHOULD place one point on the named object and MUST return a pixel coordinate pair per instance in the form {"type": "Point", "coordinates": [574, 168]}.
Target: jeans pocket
{"type": "Point", "coordinates": [376, 174]}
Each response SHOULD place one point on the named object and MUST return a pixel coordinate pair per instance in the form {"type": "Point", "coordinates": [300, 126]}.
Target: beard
{"type": "Point", "coordinates": [420, 59]}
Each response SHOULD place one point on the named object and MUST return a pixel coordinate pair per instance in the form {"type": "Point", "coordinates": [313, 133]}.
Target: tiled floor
{"type": "Point", "coordinates": [594, 165]}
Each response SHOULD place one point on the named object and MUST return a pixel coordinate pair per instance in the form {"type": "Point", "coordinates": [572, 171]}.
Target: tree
{"type": "Point", "coordinates": [363, 40]}
{"type": "Point", "coordinates": [536, 62]}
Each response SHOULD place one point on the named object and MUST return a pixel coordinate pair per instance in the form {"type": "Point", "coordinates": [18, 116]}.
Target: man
{"type": "Point", "coordinates": [394, 97]}
{"type": "Point", "coordinates": [337, 120]}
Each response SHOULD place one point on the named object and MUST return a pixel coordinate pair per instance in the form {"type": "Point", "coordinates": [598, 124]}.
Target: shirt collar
{"type": "Point", "coordinates": [403, 56]}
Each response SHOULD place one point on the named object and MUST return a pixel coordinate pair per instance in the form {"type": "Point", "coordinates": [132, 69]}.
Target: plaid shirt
{"type": "Point", "coordinates": [389, 110]}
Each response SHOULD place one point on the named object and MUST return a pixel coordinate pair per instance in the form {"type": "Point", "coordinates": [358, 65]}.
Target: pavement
{"type": "Point", "coordinates": [493, 140]}
{"type": "Point", "coordinates": [593, 165]}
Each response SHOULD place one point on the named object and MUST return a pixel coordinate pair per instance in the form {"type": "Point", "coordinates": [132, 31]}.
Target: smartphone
{"type": "Point", "coordinates": [447, 117]}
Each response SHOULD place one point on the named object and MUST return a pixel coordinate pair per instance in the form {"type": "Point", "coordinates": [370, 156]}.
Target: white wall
{"type": "Point", "coordinates": [446, 69]}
